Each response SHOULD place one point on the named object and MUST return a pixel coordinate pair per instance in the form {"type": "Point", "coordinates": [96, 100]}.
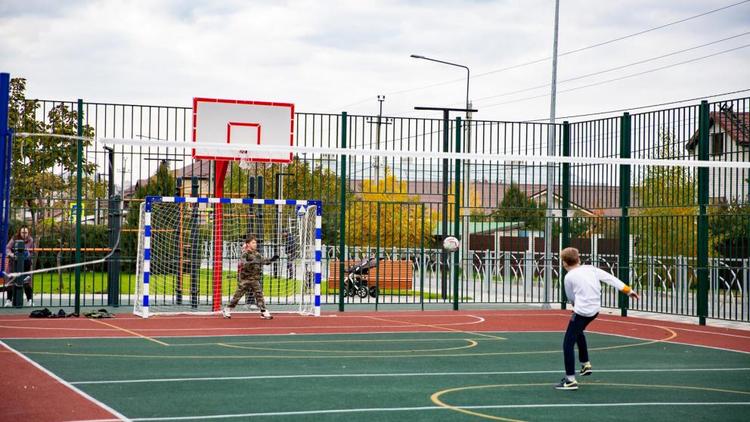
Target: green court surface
{"type": "Point", "coordinates": [436, 376]}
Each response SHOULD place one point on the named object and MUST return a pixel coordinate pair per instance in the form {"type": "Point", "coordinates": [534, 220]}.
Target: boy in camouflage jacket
{"type": "Point", "coordinates": [249, 276]}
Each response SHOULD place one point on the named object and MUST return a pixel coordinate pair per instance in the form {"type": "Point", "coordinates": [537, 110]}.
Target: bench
{"type": "Point", "coordinates": [388, 274]}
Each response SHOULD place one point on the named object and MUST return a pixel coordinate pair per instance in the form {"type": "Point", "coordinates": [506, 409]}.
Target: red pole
{"type": "Point", "coordinates": [221, 172]}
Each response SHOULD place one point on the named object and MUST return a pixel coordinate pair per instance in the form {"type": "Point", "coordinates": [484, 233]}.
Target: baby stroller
{"type": "Point", "coordinates": [357, 276]}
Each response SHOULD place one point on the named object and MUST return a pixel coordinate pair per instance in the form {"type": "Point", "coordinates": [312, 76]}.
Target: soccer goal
{"type": "Point", "coordinates": [189, 250]}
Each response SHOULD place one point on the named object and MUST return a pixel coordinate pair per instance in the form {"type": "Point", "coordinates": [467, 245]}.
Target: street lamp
{"type": "Point", "coordinates": [465, 234]}
{"type": "Point", "coordinates": [468, 75]}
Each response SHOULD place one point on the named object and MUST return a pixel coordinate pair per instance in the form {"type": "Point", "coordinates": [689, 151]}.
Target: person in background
{"type": "Point", "coordinates": [24, 281]}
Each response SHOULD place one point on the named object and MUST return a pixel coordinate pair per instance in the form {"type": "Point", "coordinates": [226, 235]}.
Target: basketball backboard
{"type": "Point", "coordinates": [245, 124]}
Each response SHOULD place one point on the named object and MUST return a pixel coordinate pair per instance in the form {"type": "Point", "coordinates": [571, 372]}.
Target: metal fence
{"type": "Point", "coordinates": [679, 234]}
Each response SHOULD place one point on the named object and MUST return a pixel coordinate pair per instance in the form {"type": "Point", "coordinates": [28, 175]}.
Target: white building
{"type": "Point", "coordinates": [729, 140]}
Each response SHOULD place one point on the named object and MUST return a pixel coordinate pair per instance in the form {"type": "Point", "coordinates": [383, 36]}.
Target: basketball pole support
{"type": "Point", "coordinates": [220, 173]}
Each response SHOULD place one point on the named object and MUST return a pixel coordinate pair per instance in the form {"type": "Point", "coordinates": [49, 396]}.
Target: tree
{"type": "Point", "coordinates": [403, 222]}
{"type": "Point", "coordinates": [42, 166]}
{"type": "Point", "coordinates": [729, 225]}
{"type": "Point", "coordinates": [473, 206]}
{"type": "Point", "coordinates": [667, 226]}
{"type": "Point", "coordinates": [517, 207]}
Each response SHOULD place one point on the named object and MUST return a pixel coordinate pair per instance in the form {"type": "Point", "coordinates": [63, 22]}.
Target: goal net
{"type": "Point", "coordinates": [189, 251]}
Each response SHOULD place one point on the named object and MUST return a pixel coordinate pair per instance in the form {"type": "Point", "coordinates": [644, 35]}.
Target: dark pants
{"type": "Point", "coordinates": [248, 286]}
{"type": "Point", "coordinates": [19, 282]}
{"type": "Point", "coordinates": [574, 336]}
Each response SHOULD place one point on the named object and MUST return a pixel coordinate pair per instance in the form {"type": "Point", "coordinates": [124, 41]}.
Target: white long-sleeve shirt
{"type": "Point", "coordinates": [584, 290]}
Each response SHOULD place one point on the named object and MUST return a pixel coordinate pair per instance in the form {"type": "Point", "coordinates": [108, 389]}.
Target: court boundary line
{"type": "Point", "coordinates": [422, 408]}
{"type": "Point", "coordinates": [65, 383]}
{"type": "Point", "coordinates": [389, 375]}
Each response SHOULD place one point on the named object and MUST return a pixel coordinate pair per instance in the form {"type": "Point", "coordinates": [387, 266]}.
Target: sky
{"type": "Point", "coordinates": [333, 56]}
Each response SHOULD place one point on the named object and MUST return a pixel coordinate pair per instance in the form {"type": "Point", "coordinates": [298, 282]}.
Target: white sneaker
{"type": "Point", "coordinates": [30, 302]}
{"type": "Point", "coordinates": [226, 313]}
{"type": "Point", "coordinates": [8, 303]}
{"type": "Point", "coordinates": [266, 315]}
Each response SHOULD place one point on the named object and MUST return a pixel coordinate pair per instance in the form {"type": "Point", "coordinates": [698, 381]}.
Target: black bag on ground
{"type": "Point", "coordinates": [40, 313]}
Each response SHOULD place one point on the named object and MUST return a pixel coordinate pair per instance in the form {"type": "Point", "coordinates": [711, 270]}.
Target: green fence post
{"type": "Point", "coordinates": [623, 272]}
{"type": "Point", "coordinates": [703, 127]}
{"type": "Point", "coordinates": [342, 215]}
{"type": "Point", "coordinates": [79, 188]}
{"type": "Point", "coordinates": [377, 253]}
{"type": "Point", "coordinates": [565, 207]}
{"type": "Point", "coordinates": [457, 219]}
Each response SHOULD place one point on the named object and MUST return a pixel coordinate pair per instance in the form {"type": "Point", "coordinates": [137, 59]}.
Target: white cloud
{"type": "Point", "coordinates": [326, 55]}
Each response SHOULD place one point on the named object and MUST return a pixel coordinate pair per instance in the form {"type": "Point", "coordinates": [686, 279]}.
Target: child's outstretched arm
{"type": "Point", "coordinates": [615, 282]}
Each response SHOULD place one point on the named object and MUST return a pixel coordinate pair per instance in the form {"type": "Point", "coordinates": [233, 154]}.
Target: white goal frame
{"type": "Point", "coordinates": [142, 301]}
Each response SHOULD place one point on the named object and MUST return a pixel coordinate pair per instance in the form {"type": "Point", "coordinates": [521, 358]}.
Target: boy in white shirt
{"type": "Point", "coordinates": [584, 291]}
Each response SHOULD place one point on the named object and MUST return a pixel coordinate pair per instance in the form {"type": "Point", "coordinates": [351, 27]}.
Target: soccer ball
{"type": "Point", "coordinates": [451, 244]}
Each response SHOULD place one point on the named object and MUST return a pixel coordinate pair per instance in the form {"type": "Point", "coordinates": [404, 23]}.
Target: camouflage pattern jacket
{"type": "Point", "coordinates": [251, 266]}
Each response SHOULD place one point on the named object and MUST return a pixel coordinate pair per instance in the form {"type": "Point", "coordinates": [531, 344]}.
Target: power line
{"type": "Point", "coordinates": [622, 110]}
{"type": "Point", "coordinates": [622, 77]}
{"type": "Point", "coordinates": [612, 69]}
{"type": "Point", "coordinates": [635, 34]}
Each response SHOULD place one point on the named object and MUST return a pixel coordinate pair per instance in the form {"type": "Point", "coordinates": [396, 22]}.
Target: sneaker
{"type": "Point", "coordinates": [586, 369]}
{"type": "Point", "coordinates": [567, 385]}
{"type": "Point", "coordinates": [8, 304]}
{"type": "Point", "coordinates": [30, 302]}
{"type": "Point", "coordinates": [226, 313]}
{"type": "Point", "coordinates": [266, 315]}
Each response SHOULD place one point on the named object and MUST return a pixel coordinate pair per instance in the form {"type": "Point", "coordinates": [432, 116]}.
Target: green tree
{"type": "Point", "coordinates": [43, 166]}
{"type": "Point", "coordinates": [163, 183]}
{"type": "Point", "coordinates": [667, 225]}
{"type": "Point", "coordinates": [729, 225]}
{"type": "Point", "coordinates": [517, 207]}
{"type": "Point", "coordinates": [401, 216]}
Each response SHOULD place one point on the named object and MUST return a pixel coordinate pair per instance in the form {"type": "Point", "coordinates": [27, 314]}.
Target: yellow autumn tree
{"type": "Point", "coordinates": [385, 214]}
{"type": "Point", "coordinates": [473, 208]}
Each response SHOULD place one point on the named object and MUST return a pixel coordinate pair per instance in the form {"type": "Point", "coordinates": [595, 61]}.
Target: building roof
{"type": "Point", "coordinates": [199, 168]}
{"type": "Point", "coordinates": [736, 125]}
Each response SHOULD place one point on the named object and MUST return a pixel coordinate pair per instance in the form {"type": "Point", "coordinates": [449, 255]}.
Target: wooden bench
{"type": "Point", "coordinates": [388, 274]}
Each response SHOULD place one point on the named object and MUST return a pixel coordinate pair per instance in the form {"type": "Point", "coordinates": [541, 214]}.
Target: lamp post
{"type": "Point", "coordinates": [468, 76]}
{"type": "Point", "coordinates": [467, 148]}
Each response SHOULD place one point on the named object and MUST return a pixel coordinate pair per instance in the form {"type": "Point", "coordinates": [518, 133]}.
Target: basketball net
{"type": "Point", "coordinates": [246, 162]}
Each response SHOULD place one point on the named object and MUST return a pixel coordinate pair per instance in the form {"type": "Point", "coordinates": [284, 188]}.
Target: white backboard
{"type": "Point", "coordinates": [245, 124]}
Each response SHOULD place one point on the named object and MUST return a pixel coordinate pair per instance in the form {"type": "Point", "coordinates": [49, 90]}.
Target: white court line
{"type": "Point", "coordinates": [65, 383]}
{"type": "Point", "coordinates": [422, 408]}
{"type": "Point", "coordinates": [384, 375]}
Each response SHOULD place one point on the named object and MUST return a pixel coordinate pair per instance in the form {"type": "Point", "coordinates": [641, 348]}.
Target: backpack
{"type": "Point", "coordinates": [40, 313]}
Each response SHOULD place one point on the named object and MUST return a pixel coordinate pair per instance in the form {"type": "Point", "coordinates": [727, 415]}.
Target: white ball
{"type": "Point", "coordinates": [451, 244]}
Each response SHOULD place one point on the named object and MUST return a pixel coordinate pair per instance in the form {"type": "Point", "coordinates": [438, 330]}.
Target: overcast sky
{"type": "Point", "coordinates": [333, 56]}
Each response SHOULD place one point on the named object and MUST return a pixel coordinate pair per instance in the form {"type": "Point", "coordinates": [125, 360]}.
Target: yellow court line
{"type": "Point", "coordinates": [471, 344]}
{"type": "Point", "coordinates": [440, 327]}
{"type": "Point", "coordinates": [125, 330]}
{"type": "Point", "coordinates": [435, 397]}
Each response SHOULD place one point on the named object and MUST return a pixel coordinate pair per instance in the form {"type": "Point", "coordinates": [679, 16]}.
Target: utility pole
{"type": "Point", "coordinates": [550, 170]}
{"type": "Point", "coordinates": [379, 122]}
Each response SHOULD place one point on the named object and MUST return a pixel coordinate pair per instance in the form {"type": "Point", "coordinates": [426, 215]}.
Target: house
{"type": "Point", "coordinates": [202, 170]}
{"type": "Point", "coordinates": [728, 140]}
